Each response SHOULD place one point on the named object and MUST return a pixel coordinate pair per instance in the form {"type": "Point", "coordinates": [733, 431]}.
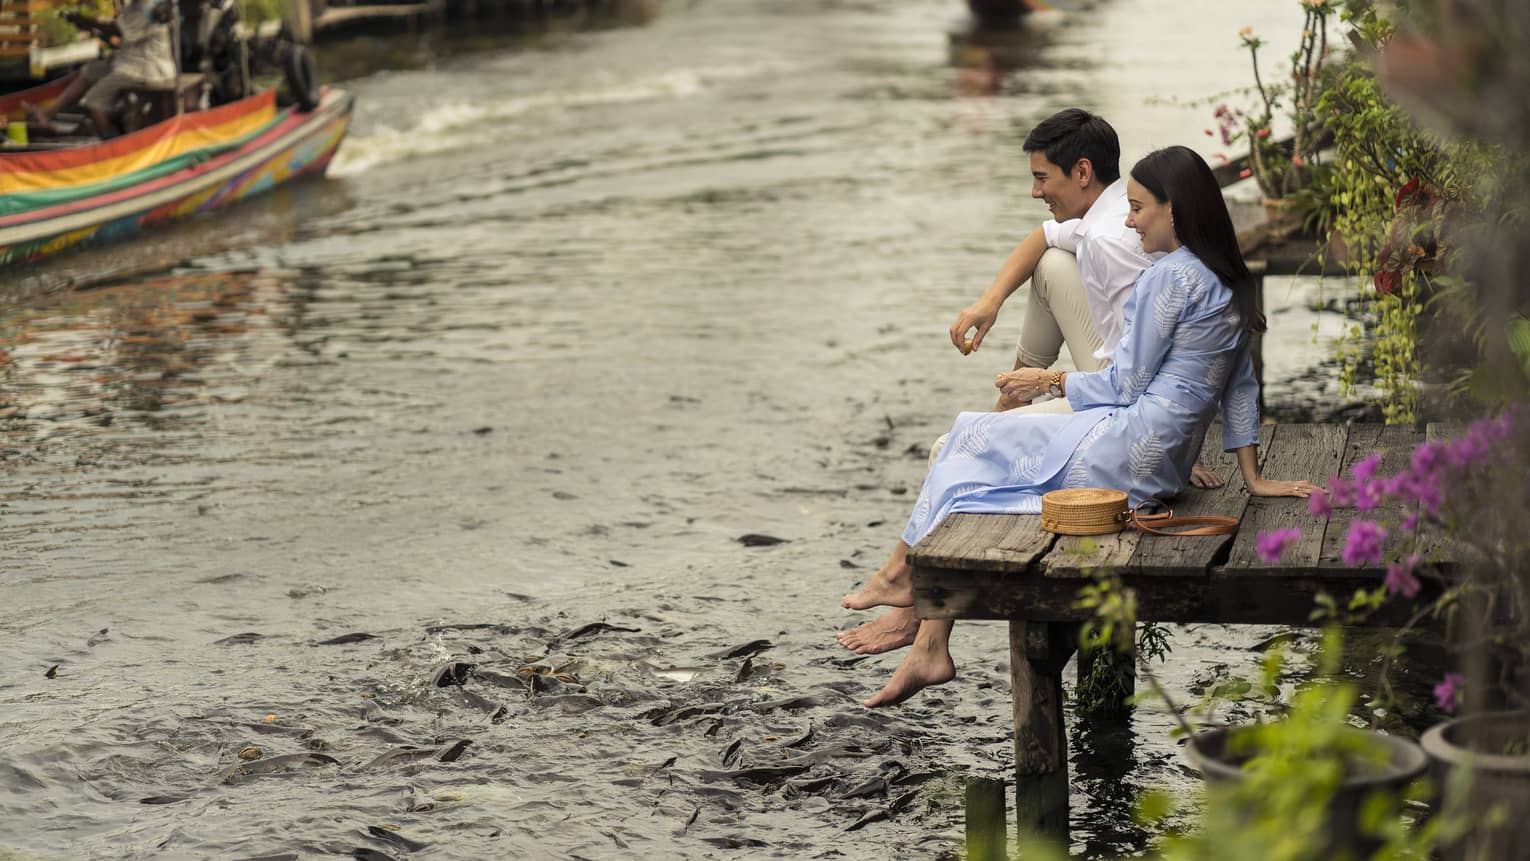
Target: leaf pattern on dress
{"type": "Point", "coordinates": [973, 440]}
{"type": "Point", "coordinates": [1023, 468]}
{"type": "Point", "coordinates": [1243, 413]}
{"type": "Point", "coordinates": [1137, 383]}
{"type": "Point", "coordinates": [1216, 374]}
{"type": "Point", "coordinates": [1145, 457]}
{"type": "Point", "coordinates": [1078, 469]}
{"type": "Point", "coordinates": [922, 510]}
{"type": "Point", "coordinates": [1168, 306]}
{"type": "Point", "coordinates": [1197, 286]}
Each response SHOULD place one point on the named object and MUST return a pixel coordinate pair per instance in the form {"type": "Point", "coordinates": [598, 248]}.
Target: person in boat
{"type": "Point", "coordinates": [1082, 266]}
{"type": "Point", "coordinates": [143, 57]}
{"type": "Point", "coordinates": [1136, 424]}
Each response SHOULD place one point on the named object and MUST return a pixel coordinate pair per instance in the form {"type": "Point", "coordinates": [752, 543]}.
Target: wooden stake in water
{"type": "Point", "coordinates": [986, 823]}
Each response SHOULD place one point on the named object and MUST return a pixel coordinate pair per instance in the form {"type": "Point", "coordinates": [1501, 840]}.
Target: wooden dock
{"type": "Point", "coordinates": [1006, 567]}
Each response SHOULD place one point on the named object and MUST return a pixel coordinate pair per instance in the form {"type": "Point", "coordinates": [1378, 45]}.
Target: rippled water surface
{"type": "Point", "coordinates": [578, 308]}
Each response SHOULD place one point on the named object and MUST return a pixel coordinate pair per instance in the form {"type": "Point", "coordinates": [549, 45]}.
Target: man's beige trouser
{"type": "Point", "coordinates": [1057, 314]}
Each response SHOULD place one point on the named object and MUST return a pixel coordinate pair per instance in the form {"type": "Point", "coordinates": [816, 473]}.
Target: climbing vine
{"type": "Point", "coordinates": [1392, 200]}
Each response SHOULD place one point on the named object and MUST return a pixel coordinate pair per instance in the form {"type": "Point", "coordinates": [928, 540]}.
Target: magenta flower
{"type": "Point", "coordinates": [1366, 468]}
{"type": "Point", "coordinates": [1317, 504]}
{"type": "Point", "coordinates": [1400, 579]}
{"type": "Point", "coordinates": [1363, 545]}
{"type": "Point", "coordinates": [1341, 493]}
{"type": "Point", "coordinates": [1447, 694]}
{"type": "Point", "coordinates": [1272, 544]}
{"type": "Point", "coordinates": [1368, 494]}
{"type": "Point", "coordinates": [1425, 457]}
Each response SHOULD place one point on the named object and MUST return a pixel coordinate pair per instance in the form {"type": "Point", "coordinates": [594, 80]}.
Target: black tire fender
{"type": "Point", "coordinates": [302, 77]}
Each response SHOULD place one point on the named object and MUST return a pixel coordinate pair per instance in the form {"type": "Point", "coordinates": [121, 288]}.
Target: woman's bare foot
{"type": "Point", "coordinates": [927, 664]}
{"type": "Point", "coordinates": [891, 630]}
{"type": "Point", "coordinates": [892, 586]}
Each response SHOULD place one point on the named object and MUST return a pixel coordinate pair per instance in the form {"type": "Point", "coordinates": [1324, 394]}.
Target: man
{"type": "Point", "coordinates": [143, 57]}
{"type": "Point", "coordinates": [1082, 266]}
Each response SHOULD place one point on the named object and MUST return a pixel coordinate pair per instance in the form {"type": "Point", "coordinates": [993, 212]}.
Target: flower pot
{"type": "Point", "coordinates": [1283, 214]}
{"type": "Point", "coordinates": [1372, 763]}
{"type": "Point", "coordinates": [1476, 745]}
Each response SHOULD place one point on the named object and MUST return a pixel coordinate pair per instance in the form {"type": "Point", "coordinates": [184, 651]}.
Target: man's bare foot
{"type": "Point", "coordinates": [893, 586]}
{"type": "Point", "coordinates": [891, 630]}
{"type": "Point", "coordinates": [924, 666]}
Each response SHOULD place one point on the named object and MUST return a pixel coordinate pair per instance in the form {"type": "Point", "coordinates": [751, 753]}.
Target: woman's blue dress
{"type": "Point", "coordinates": [1137, 424]}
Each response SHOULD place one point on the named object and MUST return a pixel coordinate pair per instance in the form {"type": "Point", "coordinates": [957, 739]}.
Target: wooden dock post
{"type": "Point", "coordinates": [1038, 651]}
{"type": "Point", "coordinates": [987, 835]}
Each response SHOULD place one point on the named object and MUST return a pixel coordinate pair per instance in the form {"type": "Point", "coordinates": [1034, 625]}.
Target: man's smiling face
{"type": "Point", "coordinates": [1062, 190]}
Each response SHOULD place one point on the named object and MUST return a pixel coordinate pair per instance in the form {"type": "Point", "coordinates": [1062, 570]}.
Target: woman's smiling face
{"type": "Point", "coordinates": [1151, 218]}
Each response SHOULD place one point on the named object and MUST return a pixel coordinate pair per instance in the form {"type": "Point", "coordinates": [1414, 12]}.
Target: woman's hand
{"type": "Point", "coordinates": [1270, 487]}
{"type": "Point", "coordinates": [1022, 384]}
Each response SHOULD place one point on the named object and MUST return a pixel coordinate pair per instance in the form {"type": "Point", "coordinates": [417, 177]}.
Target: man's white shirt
{"type": "Point", "coordinates": [1110, 259]}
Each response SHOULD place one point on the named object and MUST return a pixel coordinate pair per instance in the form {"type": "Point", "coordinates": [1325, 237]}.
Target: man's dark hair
{"type": "Point", "coordinates": [1178, 176]}
{"type": "Point", "coordinates": [1073, 134]}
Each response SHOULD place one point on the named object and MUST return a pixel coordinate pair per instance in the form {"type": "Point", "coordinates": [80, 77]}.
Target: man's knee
{"type": "Point", "coordinates": [1056, 268]}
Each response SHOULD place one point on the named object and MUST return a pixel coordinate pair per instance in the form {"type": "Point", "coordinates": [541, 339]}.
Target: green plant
{"type": "Point", "coordinates": [1394, 193]}
{"type": "Point", "coordinates": [1278, 171]}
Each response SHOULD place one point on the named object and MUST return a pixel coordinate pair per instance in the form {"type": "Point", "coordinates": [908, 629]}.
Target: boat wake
{"type": "Point", "coordinates": [462, 125]}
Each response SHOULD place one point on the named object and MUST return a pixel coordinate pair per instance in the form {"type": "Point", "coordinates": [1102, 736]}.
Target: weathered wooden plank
{"type": "Point", "coordinates": [1311, 452]}
{"type": "Point", "coordinates": [1395, 444]}
{"type": "Point", "coordinates": [983, 542]}
{"type": "Point", "coordinates": [1226, 596]}
{"type": "Point", "coordinates": [1077, 556]}
{"type": "Point", "coordinates": [1193, 556]}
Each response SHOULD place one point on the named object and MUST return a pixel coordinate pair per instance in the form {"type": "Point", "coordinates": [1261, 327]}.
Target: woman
{"type": "Point", "coordinates": [1137, 425]}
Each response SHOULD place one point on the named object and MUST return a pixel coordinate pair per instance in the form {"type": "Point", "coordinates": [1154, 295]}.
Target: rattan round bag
{"type": "Point", "coordinates": [1083, 511]}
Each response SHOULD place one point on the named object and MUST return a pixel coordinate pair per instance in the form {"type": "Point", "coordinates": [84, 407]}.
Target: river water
{"type": "Point", "coordinates": [579, 307]}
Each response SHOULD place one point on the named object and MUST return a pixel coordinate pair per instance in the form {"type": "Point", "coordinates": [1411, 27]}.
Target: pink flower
{"type": "Point", "coordinates": [1447, 694]}
{"type": "Point", "coordinates": [1297, 160]}
{"type": "Point", "coordinates": [1272, 544]}
{"type": "Point", "coordinates": [1368, 495]}
{"type": "Point", "coordinates": [1400, 577]}
{"type": "Point", "coordinates": [1245, 173]}
{"type": "Point", "coordinates": [1363, 544]}
{"type": "Point", "coordinates": [1366, 468]}
{"type": "Point", "coordinates": [1317, 504]}
{"type": "Point", "coordinates": [1341, 492]}
{"type": "Point", "coordinates": [1264, 132]}
{"type": "Point", "coordinates": [1425, 457]}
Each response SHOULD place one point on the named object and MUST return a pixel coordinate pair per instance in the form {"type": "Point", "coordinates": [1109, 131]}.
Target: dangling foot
{"type": "Point", "coordinates": [893, 586]}
{"type": "Point", "coordinates": [924, 666]}
{"type": "Point", "coordinates": [891, 630]}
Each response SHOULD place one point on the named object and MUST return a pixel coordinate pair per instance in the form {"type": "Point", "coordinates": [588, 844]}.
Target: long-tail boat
{"type": "Point", "coordinates": [193, 144]}
{"type": "Point", "coordinates": [56, 199]}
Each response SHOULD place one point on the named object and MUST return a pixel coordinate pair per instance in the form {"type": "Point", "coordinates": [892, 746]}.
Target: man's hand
{"type": "Point", "coordinates": [1202, 477]}
{"type": "Point", "coordinates": [980, 316]}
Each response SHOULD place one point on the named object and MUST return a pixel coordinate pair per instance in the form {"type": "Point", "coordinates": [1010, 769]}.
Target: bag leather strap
{"type": "Point", "coordinates": [1161, 524]}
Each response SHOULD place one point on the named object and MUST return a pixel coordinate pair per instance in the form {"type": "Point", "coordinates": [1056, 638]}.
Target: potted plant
{"type": "Point", "coordinates": [1284, 166]}
{"type": "Point", "coordinates": [1484, 760]}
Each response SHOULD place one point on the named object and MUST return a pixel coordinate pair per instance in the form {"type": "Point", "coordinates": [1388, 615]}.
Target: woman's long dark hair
{"type": "Point", "coordinates": [1178, 176]}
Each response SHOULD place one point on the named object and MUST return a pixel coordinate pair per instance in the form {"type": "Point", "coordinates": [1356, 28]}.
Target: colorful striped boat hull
{"type": "Point", "coordinates": [53, 202]}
